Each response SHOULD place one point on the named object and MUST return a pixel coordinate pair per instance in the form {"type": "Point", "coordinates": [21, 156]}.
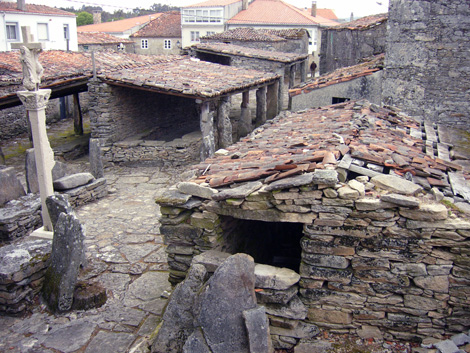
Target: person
{"type": "Point", "coordinates": [313, 67]}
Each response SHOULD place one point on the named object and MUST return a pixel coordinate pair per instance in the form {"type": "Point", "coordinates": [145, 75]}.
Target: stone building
{"type": "Point", "coordinates": [427, 62]}
{"type": "Point", "coordinates": [361, 81]}
{"type": "Point", "coordinates": [341, 195]}
{"type": "Point", "coordinates": [99, 41]}
{"type": "Point", "coordinates": [282, 40]}
{"type": "Point", "coordinates": [348, 43]}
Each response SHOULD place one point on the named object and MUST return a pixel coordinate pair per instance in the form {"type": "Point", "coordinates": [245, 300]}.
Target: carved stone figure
{"type": "Point", "coordinates": [32, 69]}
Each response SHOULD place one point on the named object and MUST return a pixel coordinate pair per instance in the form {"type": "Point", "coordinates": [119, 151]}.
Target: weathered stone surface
{"type": "Point", "coordinates": [348, 193]}
{"type": "Point", "coordinates": [110, 342]}
{"type": "Point", "coordinates": [329, 316]}
{"type": "Point", "coordinates": [288, 183]}
{"type": "Point", "coordinates": [257, 326]}
{"type": "Point", "coordinates": [70, 337]}
{"type": "Point", "coordinates": [66, 258]}
{"type": "Point", "coordinates": [447, 346]}
{"type": "Point", "coordinates": [72, 181]}
{"type": "Point", "coordinates": [11, 187]}
{"type": "Point", "coordinates": [275, 296]}
{"type": "Point", "coordinates": [194, 189]}
{"type": "Point", "coordinates": [229, 292]}
{"type": "Point", "coordinates": [303, 330]}
{"type": "Point", "coordinates": [426, 212]}
{"type": "Point", "coordinates": [211, 259]}
{"type": "Point", "coordinates": [172, 197]}
{"type": "Point", "coordinates": [96, 159]}
{"type": "Point", "coordinates": [413, 301]}
{"type": "Point", "coordinates": [439, 284]}
{"type": "Point", "coordinates": [196, 343]}
{"type": "Point", "coordinates": [57, 204]}
{"type": "Point", "coordinates": [325, 177]}
{"type": "Point", "coordinates": [401, 200]}
{"type": "Point", "coordinates": [396, 184]}
{"type": "Point", "coordinates": [368, 204]}
{"type": "Point", "coordinates": [330, 261]}
{"type": "Point", "coordinates": [239, 192]}
{"type": "Point", "coordinates": [177, 324]}
{"type": "Point", "coordinates": [329, 274]}
{"type": "Point", "coordinates": [458, 224]}
{"type": "Point", "coordinates": [275, 277]}
{"type": "Point", "coordinates": [294, 309]}
{"type": "Point", "coordinates": [358, 186]}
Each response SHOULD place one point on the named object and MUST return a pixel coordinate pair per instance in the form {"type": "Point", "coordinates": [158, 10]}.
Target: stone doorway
{"type": "Point", "coordinates": [271, 243]}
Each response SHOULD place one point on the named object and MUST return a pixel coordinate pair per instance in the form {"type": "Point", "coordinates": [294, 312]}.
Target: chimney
{"type": "Point", "coordinates": [314, 9]}
{"type": "Point", "coordinates": [96, 16]}
{"type": "Point", "coordinates": [21, 5]}
{"type": "Point", "coordinates": [244, 4]}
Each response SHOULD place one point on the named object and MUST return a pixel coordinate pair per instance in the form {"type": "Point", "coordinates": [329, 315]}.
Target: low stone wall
{"type": "Point", "coordinates": [180, 151]}
{"type": "Point", "coordinates": [90, 192]}
{"type": "Point", "coordinates": [373, 262]}
{"type": "Point", "coordinates": [20, 217]}
{"type": "Point", "coordinates": [22, 269]}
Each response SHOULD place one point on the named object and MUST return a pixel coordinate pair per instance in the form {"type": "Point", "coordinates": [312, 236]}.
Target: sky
{"type": "Point", "coordinates": [343, 8]}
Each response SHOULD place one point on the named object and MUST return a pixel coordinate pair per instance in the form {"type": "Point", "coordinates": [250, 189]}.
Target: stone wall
{"type": "Point", "coordinates": [299, 46]}
{"type": "Point", "coordinates": [20, 217]}
{"type": "Point", "coordinates": [346, 47]}
{"type": "Point", "coordinates": [427, 62]}
{"type": "Point", "coordinates": [366, 87]}
{"type": "Point", "coordinates": [372, 260]}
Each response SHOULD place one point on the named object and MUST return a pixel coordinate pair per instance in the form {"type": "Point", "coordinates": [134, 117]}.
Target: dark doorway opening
{"type": "Point", "coordinates": [214, 58]}
{"type": "Point", "coordinates": [336, 100]}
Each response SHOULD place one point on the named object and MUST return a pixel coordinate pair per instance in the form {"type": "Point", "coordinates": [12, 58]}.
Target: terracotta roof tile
{"type": "Point", "coordinates": [325, 13]}
{"type": "Point", "coordinates": [35, 9]}
{"type": "Point", "coordinates": [118, 26]}
{"type": "Point", "coordinates": [167, 25]}
{"type": "Point", "coordinates": [99, 38]}
{"type": "Point", "coordinates": [352, 135]}
{"type": "Point", "coordinates": [344, 74]}
{"type": "Point", "coordinates": [246, 34]}
{"type": "Point", "coordinates": [277, 12]}
{"type": "Point", "coordinates": [364, 22]}
{"type": "Point", "coordinates": [249, 52]}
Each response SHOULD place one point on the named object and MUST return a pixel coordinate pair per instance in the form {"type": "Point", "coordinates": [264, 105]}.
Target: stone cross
{"type": "Point", "coordinates": [35, 100]}
{"type": "Point", "coordinates": [32, 69]}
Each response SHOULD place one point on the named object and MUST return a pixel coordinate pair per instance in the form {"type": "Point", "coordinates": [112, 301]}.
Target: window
{"type": "Point", "coordinates": [167, 44]}
{"type": "Point", "coordinates": [202, 16]}
{"type": "Point", "coordinates": [210, 33]}
{"type": "Point", "coordinates": [85, 47]}
{"type": "Point", "coordinates": [194, 36]}
{"type": "Point", "coordinates": [215, 16]}
{"type": "Point", "coordinates": [12, 31]}
{"type": "Point", "coordinates": [43, 32]}
{"type": "Point", "coordinates": [188, 16]}
{"type": "Point", "coordinates": [66, 32]}
{"type": "Point", "coordinates": [144, 44]}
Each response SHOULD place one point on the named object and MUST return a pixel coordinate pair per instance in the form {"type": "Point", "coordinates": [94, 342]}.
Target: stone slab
{"type": "Point", "coordinates": [73, 181]}
{"type": "Point", "coordinates": [396, 184]}
{"type": "Point", "coordinates": [275, 277]}
{"type": "Point", "coordinates": [11, 187]}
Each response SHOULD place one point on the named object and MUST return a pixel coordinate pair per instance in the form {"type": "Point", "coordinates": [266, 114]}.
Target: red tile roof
{"type": "Point", "coordinates": [276, 12]}
{"type": "Point", "coordinates": [99, 38]}
{"type": "Point", "coordinates": [238, 50]}
{"type": "Point", "coordinates": [297, 143]}
{"type": "Point", "coordinates": [167, 25]}
{"type": "Point", "coordinates": [364, 22]}
{"type": "Point", "coordinates": [344, 74]}
{"type": "Point", "coordinates": [212, 3]}
{"type": "Point", "coordinates": [35, 9]}
{"type": "Point", "coordinates": [325, 13]}
{"type": "Point", "coordinates": [118, 26]}
{"type": "Point", "coordinates": [250, 34]}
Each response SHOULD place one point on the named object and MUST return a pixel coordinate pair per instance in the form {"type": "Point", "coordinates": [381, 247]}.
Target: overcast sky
{"type": "Point", "coordinates": [343, 8]}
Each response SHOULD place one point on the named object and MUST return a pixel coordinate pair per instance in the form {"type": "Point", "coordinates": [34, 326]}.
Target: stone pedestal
{"type": "Point", "coordinates": [35, 103]}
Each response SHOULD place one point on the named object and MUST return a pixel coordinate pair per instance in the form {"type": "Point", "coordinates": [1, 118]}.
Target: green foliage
{"type": "Point", "coordinates": [84, 18]}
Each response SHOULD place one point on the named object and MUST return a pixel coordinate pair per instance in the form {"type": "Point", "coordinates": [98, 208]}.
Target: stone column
{"type": "Point", "coordinates": [292, 76]}
{"type": "Point", "coordinates": [303, 71]}
{"type": "Point", "coordinates": [245, 126]}
{"type": "Point", "coordinates": [224, 125]}
{"type": "Point", "coordinates": [272, 98]}
{"type": "Point", "coordinates": [281, 94]}
{"type": "Point", "coordinates": [207, 129]}
{"type": "Point", "coordinates": [35, 103]}
{"type": "Point", "coordinates": [261, 106]}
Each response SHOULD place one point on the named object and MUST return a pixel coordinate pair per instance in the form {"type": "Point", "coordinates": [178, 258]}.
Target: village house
{"type": "Point", "coordinates": [55, 28]}
{"type": "Point", "coordinates": [348, 43]}
{"type": "Point", "coordinates": [161, 36]}
{"type": "Point", "coordinates": [99, 41]}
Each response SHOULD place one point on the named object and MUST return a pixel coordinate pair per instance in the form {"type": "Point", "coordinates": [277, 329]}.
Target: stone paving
{"type": "Point", "coordinates": [126, 255]}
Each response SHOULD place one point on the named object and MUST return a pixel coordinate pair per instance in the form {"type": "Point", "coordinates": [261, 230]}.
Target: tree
{"type": "Point", "coordinates": [84, 18]}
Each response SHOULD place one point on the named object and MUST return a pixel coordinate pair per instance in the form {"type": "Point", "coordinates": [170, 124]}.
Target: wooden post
{"type": "Point", "coordinates": [77, 115]}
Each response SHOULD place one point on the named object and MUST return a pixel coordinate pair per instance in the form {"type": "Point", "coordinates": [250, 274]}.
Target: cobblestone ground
{"type": "Point", "coordinates": [126, 255]}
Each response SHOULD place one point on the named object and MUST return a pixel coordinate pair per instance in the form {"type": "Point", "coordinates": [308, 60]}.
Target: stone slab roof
{"type": "Point", "coordinates": [237, 50]}
{"type": "Point", "coordinates": [343, 74]}
{"type": "Point", "coordinates": [11, 7]}
{"type": "Point", "coordinates": [249, 34]}
{"type": "Point", "coordinates": [189, 78]}
{"type": "Point", "coordinates": [118, 26]}
{"type": "Point", "coordinates": [356, 136]}
{"type": "Point", "coordinates": [99, 38]}
{"type": "Point", "coordinates": [363, 22]}
{"type": "Point", "coordinates": [167, 25]}
{"type": "Point", "coordinates": [277, 12]}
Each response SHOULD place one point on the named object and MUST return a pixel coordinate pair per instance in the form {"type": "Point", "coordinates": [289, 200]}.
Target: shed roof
{"type": "Point", "coordinates": [237, 50]}
{"type": "Point", "coordinates": [336, 136]}
{"type": "Point", "coordinates": [118, 26]}
{"type": "Point", "coordinates": [33, 9]}
{"type": "Point", "coordinates": [167, 25]}
{"type": "Point", "coordinates": [364, 22]}
{"type": "Point", "coordinates": [277, 12]}
{"type": "Point", "coordinates": [250, 34]}
{"type": "Point", "coordinates": [99, 38]}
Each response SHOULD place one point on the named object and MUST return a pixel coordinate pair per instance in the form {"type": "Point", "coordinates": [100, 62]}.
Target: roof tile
{"type": "Point", "coordinates": [167, 25]}
{"type": "Point", "coordinates": [36, 9]}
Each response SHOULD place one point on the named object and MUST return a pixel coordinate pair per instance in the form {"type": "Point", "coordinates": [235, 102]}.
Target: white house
{"type": "Point", "coordinates": [55, 27]}
{"type": "Point", "coordinates": [207, 18]}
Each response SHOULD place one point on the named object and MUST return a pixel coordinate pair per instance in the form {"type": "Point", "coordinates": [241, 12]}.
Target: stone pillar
{"type": "Point", "coordinates": [77, 115]}
{"type": "Point", "coordinates": [303, 71]}
{"type": "Point", "coordinates": [292, 76]}
{"type": "Point", "coordinates": [35, 103]}
{"type": "Point", "coordinates": [272, 98]}
{"type": "Point", "coordinates": [281, 93]}
{"type": "Point", "coordinates": [95, 157]}
{"type": "Point", "coordinates": [261, 106]}
{"type": "Point", "coordinates": [207, 129]}
{"type": "Point", "coordinates": [245, 125]}
{"type": "Point", "coordinates": [224, 125]}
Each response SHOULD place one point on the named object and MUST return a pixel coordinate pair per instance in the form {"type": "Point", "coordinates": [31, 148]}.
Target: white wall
{"type": "Point", "coordinates": [55, 30]}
